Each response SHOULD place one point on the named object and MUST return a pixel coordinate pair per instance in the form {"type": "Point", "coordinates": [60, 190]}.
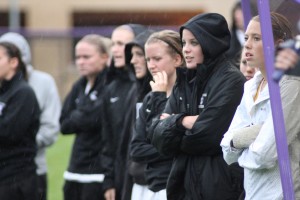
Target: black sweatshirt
{"type": "Point", "coordinates": [81, 116]}
{"type": "Point", "coordinates": [199, 170]}
{"type": "Point", "coordinates": [142, 151]}
{"type": "Point", "coordinates": [19, 123]}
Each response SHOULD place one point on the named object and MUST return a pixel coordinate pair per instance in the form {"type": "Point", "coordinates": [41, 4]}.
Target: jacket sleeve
{"type": "Point", "coordinates": [109, 146]}
{"type": "Point", "coordinates": [15, 119]}
{"type": "Point", "coordinates": [50, 113]}
{"type": "Point", "coordinates": [262, 153]}
{"type": "Point", "coordinates": [142, 150]}
{"type": "Point", "coordinates": [67, 125]}
{"type": "Point", "coordinates": [80, 114]}
{"type": "Point", "coordinates": [205, 136]}
{"type": "Point", "coordinates": [165, 134]}
{"type": "Point", "coordinates": [240, 120]}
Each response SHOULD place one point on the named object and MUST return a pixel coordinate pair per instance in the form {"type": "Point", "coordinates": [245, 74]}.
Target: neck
{"type": "Point", "coordinates": [91, 80]}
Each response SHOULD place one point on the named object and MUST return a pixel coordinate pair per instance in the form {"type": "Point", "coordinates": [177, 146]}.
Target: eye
{"type": "Point", "coordinates": [194, 43]}
{"type": "Point", "coordinates": [183, 43]}
{"type": "Point", "coordinates": [246, 38]}
{"type": "Point", "coordinates": [257, 38]}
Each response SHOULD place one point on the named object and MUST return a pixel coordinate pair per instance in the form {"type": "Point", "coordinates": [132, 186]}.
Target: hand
{"type": "Point", "coordinates": [160, 82]}
{"type": "Point", "coordinates": [164, 116]}
{"type": "Point", "coordinates": [189, 121]}
{"type": "Point", "coordinates": [286, 59]}
{"type": "Point", "coordinates": [110, 194]}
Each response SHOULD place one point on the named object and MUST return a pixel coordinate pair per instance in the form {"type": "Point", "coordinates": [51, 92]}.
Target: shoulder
{"type": "Point", "coordinates": [41, 76]}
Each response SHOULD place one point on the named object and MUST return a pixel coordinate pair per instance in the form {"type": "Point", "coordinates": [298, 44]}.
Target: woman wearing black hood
{"type": "Point", "coordinates": [199, 112]}
{"type": "Point", "coordinates": [118, 114]}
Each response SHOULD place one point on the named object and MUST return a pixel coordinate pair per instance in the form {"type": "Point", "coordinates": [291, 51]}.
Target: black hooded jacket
{"type": "Point", "coordinates": [213, 92]}
{"type": "Point", "coordinates": [118, 116]}
{"type": "Point", "coordinates": [19, 123]}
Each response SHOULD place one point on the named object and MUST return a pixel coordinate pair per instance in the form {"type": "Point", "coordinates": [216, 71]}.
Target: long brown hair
{"type": "Point", "coordinates": [12, 51]}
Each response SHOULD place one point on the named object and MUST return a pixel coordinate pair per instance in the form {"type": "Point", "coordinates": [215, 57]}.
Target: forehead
{"type": "Point", "coordinates": [156, 47]}
{"type": "Point", "coordinates": [187, 34]}
{"type": "Point", "coordinates": [122, 35]}
{"type": "Point", "coordinates": [136, 48]}
{"type": "Point", "coordinates": [253, 28]}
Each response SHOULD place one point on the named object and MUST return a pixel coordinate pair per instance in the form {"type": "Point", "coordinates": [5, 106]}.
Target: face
{"type": "Point", "coordinates": [120, 37]}
{"type": "Point", "coordinates": [192, 50]}
{"type": "Point", "coordinates": [160, 59]}
{"type": "Point", "coordinates": [89, 61]}
{"type": "Point", "coordinates": [139, 62]}
{"type": "Point", "coordinates": [253, 49]}
{"type": "Point", "coordinates": [247, 71]}
{"type": "Point", "coordinates": [7, 65]}
{"type": "Point", "coordinates": [239, 19]}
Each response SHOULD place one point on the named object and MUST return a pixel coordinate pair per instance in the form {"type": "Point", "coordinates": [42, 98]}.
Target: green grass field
{"type": "Point", "coordinates": [58, 156]}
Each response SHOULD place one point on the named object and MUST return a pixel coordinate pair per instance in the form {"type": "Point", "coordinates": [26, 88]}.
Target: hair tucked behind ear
{"type": "Point", "coordinates": [281, 27]}
{"type": "Point", "coordinates": [12, 51]}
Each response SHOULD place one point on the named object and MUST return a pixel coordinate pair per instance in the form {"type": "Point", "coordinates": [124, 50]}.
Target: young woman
{"type": "Point", "coordinates": [199, 112]}
{"type": "Point", "coordinates": [250, 139]}
{"type": "Point", "coordinates": [81, 116]}
{"type": "Point", "coordinates": [246, 70]}
{"type": "Point", "coordinates": [19, 123]}
{"type": "Point", "coordinates": [163, 55]}
{"type": "Point", "coordinates": [118, 114]}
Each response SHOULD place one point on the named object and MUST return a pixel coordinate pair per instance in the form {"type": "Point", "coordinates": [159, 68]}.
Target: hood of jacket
{"type": "Point", "coordinates": [19, 41]}
{"type": "Point", "coordinates": [212, 33]}
{"type": "Point", "coordinates": [143, 83]}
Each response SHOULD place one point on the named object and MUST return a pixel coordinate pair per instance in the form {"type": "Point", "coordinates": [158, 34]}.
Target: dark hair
{"type": "Point", "coordinates": [281, 27]}
{"type": "Point", "coordinates": [12, 51]}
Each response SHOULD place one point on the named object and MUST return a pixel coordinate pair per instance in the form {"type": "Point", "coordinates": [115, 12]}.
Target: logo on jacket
{"type": "Point", "coordinates": [2, 106]}
{"type": "Point", "coordinates": [203, 100]}
{"type": "Point", "coordinates": [93, 95]}
{"type": "Point", "coordinates": [114, 99]}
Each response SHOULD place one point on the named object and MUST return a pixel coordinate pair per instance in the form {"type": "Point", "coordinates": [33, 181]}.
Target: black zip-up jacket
{"type": "Point", "coordinates": [213, 92]}
{"type": "Point", "coordinates": [81, 116]}
{"type": "Point", "coordinates": [142, 151]}
{"type": "Point", "coordinates": [118, 117]}
{"type": "Point", "coordinates": [19, 123]}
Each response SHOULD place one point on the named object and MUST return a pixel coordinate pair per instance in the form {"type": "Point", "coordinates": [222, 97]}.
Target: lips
{"type": "Point", "coordinates": [188, 59]}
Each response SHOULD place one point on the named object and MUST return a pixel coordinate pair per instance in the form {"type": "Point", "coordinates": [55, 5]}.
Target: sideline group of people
{"type": "Point", "coordinates": [156, 115]}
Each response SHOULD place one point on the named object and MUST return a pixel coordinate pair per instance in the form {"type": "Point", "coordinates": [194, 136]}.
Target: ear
{"type": "Point", "coordinates": [13, 63]}
{"type": "Point", "coordinates": [178, 60]}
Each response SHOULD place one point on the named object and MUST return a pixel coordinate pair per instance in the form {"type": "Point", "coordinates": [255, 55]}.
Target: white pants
{"type": "Point", "coordinates": [141, 192]}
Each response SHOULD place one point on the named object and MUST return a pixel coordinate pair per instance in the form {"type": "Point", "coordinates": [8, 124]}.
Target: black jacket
{"type": "Point", "coordinates": [81, 116]}
{"type": "Point", "coordinates": [118, 116]}
{"type": "Point", "coordinates": [213, 92]}
{"type": "Point", "coordinates": [19, 123]}
{"type": "Point", "coordinates": [142, 151]}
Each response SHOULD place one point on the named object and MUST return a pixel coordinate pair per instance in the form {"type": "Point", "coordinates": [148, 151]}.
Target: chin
{"type": "Point", "coordinates": [191, 66]}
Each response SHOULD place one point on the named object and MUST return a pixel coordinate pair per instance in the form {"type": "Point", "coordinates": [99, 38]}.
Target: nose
{"type": "Point", "coordinates": [150, 65]}
{"type": "Point", "coordinates": [247, 44]}
{"type": "Point", "coordinates": [133, 59]}
{"type": "Point", "coordinates": [186, 48]}
{"type": "Point", "coordinates": [79, 61]}
{"type": "Point", "coordinates": [250, 70]}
